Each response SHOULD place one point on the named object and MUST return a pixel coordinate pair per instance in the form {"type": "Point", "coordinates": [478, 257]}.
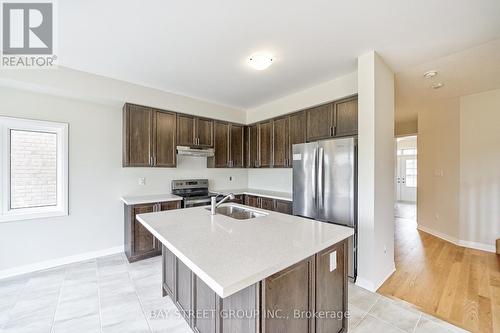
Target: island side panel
{"type": "Point", "coordinates": [168, 272]}
{"type": "Point", "coordinates": [288, 298]}
{"type": "Point", "coordinates": [239, 312]}
{"type": "Point", "coordinates": [331, 289]}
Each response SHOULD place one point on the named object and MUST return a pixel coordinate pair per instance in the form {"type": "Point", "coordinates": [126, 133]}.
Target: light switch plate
{"type": "Point", "coordinates": [333, 261]}
{"type": "Point", "coordinates": [142, 181]}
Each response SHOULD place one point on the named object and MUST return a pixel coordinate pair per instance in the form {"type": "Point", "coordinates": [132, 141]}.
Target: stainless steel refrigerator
{"type": "Point", "coordinates": [325, 186]}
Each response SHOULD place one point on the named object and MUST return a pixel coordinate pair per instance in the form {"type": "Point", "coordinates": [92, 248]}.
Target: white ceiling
{"type": "Point", "coordinates": [199, 48]}
{"type": "Point", "coordinates": [466, 72]}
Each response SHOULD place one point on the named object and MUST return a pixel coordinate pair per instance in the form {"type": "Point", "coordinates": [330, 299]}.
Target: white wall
{"type": "Point", "coordinates": [96, 178]}
{"type": "Point", "coordinates": [281, 179]}
{"type": "Point", "coordinates": [71, 83]}
{"type": "Point", "coordinates": [459, 169]}
{"type": "Point", "coordinates": [319, 94]}
{"type": "Point", "coordinates": [375, 171]}
{"type": "Point", "coordinates": [480, 169]}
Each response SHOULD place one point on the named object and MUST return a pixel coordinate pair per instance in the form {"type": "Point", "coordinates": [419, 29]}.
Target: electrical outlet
{"type": "Point", "coordinates": [385, 249]}
{"type": "Point", "coordinates": [142, 181]}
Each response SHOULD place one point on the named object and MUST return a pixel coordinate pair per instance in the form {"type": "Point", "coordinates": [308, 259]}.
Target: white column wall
{"type": "Point", "coordinates": [376, 171]}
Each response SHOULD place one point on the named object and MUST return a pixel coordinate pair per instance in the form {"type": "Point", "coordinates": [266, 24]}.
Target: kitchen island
{"type": "Point", "coordinates": [273, 273]}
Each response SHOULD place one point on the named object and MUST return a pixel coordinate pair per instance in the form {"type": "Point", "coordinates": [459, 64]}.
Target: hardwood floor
{"type": "Point", "coordinates": [456, 284]}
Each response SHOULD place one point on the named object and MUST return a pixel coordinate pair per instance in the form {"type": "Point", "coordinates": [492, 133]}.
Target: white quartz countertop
{"type": "Point", "coordinates": [260, 193]}
{"type": "Point", "coordinates": [144, 199]}
{"type": "Point", "coordinates": [230, 255]}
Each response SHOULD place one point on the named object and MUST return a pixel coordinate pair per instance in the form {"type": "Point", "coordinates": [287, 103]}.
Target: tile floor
{"type": "Point", "coordinates": [110, 295]}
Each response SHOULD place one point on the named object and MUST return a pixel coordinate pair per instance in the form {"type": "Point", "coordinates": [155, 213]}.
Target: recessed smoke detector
{"type": "Point", "coordinates": [430, 74]}
{"type": "Point", "coordinates": [437, 85]}
{"type": "Point", "coordinates": [260, 61]}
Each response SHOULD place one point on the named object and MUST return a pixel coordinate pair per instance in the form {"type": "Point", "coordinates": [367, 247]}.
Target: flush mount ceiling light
{"type": "Point", "coordinates": [260, 61]}
{"type": "Point", "coordinates": [437, 85]}
{"type": "Point", "coordinates": [430, 74]}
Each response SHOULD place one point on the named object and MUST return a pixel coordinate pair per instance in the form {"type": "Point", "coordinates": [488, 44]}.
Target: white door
{"type": "Point", "coordinates": [406, 181]}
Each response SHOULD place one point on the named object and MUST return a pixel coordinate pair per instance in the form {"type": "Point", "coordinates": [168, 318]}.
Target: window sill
{"type": "Point", "coordinates": [32, 216]}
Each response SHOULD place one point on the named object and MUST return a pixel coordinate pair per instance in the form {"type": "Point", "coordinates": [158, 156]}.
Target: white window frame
{"type": "Point", "coordinates": [61, 208]}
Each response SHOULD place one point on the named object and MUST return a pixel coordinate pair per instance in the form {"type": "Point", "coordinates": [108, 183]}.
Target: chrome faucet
{"type": "Point", "coordinates": [214, 204]}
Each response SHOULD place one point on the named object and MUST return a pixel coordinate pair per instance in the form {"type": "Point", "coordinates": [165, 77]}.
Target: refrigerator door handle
{"type": "Point", "coordinates": [321, 189]}
{"type": "Point", "coordinates": [315, 177]}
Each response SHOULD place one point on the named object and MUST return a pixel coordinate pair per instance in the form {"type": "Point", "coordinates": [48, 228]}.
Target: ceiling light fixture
{"type": "Point", "coordinates": [437, 85]}
{"type": "Point", "coordinates": [260, 61]}
{"type": "Point", "coordinates": [430, 74]}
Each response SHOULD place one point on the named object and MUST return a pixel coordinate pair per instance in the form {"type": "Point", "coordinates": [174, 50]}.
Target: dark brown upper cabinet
{"type": "Point", "coordinates": [280, 142]}
{"type": "Point", "coordinates": [164, 139]}
{"type": "Point", "coordinates": [297, 131]}
{"type": "Point", "coordinates": [137, 136]}
{"type": "Point", "coordinates": [228, 143]}
{"type": "Point", "coordinates": [346, 117]}
{"type": "Point", "coordinates": [236, 149]}
{"type": "Point", "coordinates": [148, 137]}
{"type": "Point", "coordinates": [204, 132]}
{"type": "Point", "coordinates": [221, 145]}
{"type": "Point", "coordinates": [194, 131]}
{"type": "Point", "coordinates": [335, 119]}
{"type": "Point", "coordinates": [251, 144]}
{"type": "Point", "coordinates": [320, 122]}
{"type": "Point", "coordinates": [265, 145]}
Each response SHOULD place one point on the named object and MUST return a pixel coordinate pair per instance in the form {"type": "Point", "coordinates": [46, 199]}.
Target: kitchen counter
{"type": "Point", "coordinates": [145, 199]}
{"type": "Point", "coordinates": [286, 196]}
{"type": "Point", "coordinates": [230, 255]}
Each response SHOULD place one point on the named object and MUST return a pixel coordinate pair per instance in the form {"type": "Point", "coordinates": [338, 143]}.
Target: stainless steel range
{"type": "Point", "coordinates": [194, 192]}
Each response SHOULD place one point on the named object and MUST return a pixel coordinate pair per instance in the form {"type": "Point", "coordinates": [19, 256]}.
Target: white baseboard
{"type": "Point", "coordinates": [458, 242]}
{"type": "Point", "coordinates": [58, 262]}
{"type": "Point", "coordinates": [371, 286]}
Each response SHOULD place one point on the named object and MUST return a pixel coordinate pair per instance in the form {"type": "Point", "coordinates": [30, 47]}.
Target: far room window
{"type": "Point", "coordinates": [34, 169]}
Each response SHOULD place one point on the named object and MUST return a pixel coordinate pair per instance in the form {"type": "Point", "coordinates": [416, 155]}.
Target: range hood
{"type": "Point", "coordinates": [199, 152]}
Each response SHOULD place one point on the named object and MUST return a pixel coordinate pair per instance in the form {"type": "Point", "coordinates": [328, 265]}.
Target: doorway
{"type": "Point", "coordinates": [406, 178]}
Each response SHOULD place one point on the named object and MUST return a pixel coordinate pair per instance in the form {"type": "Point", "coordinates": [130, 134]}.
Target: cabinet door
{"type": "Point", "coordinates": [280, 142]}
{"type": "Point", "coordinates": [265, 144]}
{"type": "Point", "coordinates": [236, 146]}
{"type": "Point", "coordinates": [204, 132]}
{"type": "Point", "coordinates": [183, 289]}
{"type": "Point", "coordinates": [266, 203]}
{"type": "Point", "coordinates": [137, 136]}
{"type": "Point", "coordinates": [205, 306]}
{"type": "Point", "coordinates": [252, 201]}
{"type": "Point", "coordinates": [331, 288]}
{"type": "Point", "coordinates": [169, 205]}
{"type": "Point", "coordinates": [144, 241]}
{"type": "Point", "coordinates": [297, 131]}
{"type": "Point", "coordinates": [286, 291]}
{"type": "Point", "coordinates": [185, 130]}
{"type": "Point", "coordinates": [239, 198]}
{"type": "Point", "coordinates": [346, 117]}
{"type": "Point", "coordinates": [319, 122]}
{"type": "Point", "coordinates": [282, 206]}
{"type": "Point", "coordinates": [165, 132]}
{"type": "Point", "coordinates": [221, 147]}
{"type": "Point", "coordinates": [244, 301]}
{"type": "Point", "coordinates": [253, 156]}
{"type": "Point", "coordinates": [168, 271]}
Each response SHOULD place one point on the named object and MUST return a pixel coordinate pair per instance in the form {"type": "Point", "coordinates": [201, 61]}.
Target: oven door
{"type": "Point", "coordinates": [196, 202]}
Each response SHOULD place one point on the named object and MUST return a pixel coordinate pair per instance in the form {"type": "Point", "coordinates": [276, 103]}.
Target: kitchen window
{"type": "Point", "coordinates": [34, 169]}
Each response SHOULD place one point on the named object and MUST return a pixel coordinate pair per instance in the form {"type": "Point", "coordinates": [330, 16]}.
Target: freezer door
{"type": "Point", "coordinates": [304, 159]}
{"type": "Point", "coordinates": [336, 180]}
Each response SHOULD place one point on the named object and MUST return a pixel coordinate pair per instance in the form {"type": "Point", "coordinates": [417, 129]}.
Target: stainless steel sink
{"type": "Point", "coordinates": [238, 213]}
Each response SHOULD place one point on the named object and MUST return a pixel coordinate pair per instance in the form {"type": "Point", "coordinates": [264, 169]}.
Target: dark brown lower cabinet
{"type": "Point", "coordinates": [251, 200]}
{"type": "Point", "coordinates": [280, 206]}
{"type": "Point", "coordinates": [139, 242]}
{"type": "Point", "coordinates": [266, 203]}
{"type": "Point", "coordinates": [288, 298]}
{"type": "Point", "coordinates": [307, 297]}
{"type": "Point", "coordinates": [328, 284]}
{"type": "Point", "coordinates": [239, 198]}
